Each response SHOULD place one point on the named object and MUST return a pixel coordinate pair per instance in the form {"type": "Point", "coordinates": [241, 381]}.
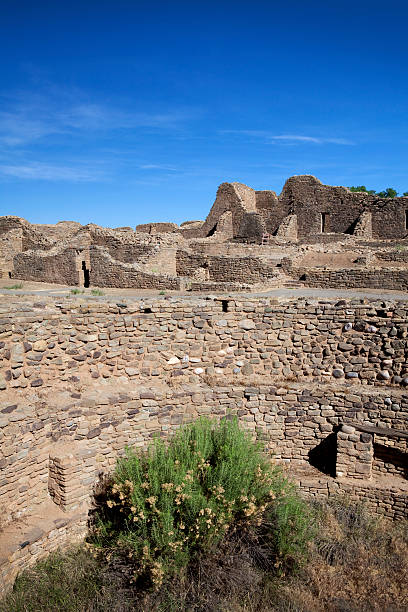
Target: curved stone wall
{"type": "Point", "coordinates": [83, 378]}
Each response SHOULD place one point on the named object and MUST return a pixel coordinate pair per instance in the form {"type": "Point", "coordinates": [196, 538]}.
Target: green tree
{"type": "Point", "coordinates": [405, 193]}
{"type": "Point", "coordinates": [388, 193]}
{"type": "Point", "coordinates": [362, 188]}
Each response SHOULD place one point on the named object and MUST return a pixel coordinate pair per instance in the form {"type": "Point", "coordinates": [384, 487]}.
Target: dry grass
{"type": "Point", "coordinates": [356, 564]}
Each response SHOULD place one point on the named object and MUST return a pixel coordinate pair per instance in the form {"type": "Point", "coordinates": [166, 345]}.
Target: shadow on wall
{"type": "Point", "coordinates": [324, 455]}
{"type": "Point", "coordinates": [394, 456]}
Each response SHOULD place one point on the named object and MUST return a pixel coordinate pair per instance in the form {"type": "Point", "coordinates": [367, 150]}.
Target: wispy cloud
{"type": "Point", "coordinates": [158, 167]}
{"type": "Point", "coordinates": [38, 171]}
{"type": "Point", "coordinates": [28, 116]}
{"type": "Point", "coordinates": [288, 138]}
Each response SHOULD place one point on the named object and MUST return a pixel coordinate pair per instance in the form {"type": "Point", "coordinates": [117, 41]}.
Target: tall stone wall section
{"type": "Point", "coordinates": [108, 272]}
{"type": "Point", "coordinates": [320, 209]}
{"type": "Point", "coordinates": [308, 198]}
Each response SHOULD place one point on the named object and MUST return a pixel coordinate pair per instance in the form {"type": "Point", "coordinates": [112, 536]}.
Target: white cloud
{"type": "Point", "coordinates": [288, 138]}
{"type": "Point", "coordinates": [158, 167]}
{"type": "Point", "coordinates": [28, 117]}
{"type": "Point", "coordinates": [38, 171]}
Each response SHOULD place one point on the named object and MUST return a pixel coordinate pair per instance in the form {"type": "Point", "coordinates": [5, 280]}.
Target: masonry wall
{"type": "Point", "coordinates": [80, 381]}
{"type": "Point", "coordinates": [273, 210]}
{"type": "Point", "coordinates": [308, 198]}
{"type": "Point", "coordinates": [353, 278]}
{"type": "Point", "coordinates": [400, 255]}
{"type": "Point", "coordinates": [234, 197]}
{"type": "Point", "coordinates": [53, 441]}
{"type": "Point", "coordinates": [46, 267]}
{"type": "Point", "coordinates": [361, 343]}
{"type": "Point", "coordinates": [10, 244]}
{"type": "Point", "coordinates": [225, 269]}
{"type": "Point", "coordinates": [122, 250]}
{"type": "Point", "coordinates": [107, 272]}
{"type": "Point", "coordinates": [184, 342]}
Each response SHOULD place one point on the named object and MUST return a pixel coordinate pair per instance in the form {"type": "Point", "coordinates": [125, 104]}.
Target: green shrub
{"type": "Point", "coordinates": [77, 291]}
{"type": "Point", "coordinates": [97, 292]}
{"type": "Point", "coordinates": [163, 506]}
{"type": "Point", "coordinates": [17, 286]}
{"type": "Point", "coordinates": [290, 524]}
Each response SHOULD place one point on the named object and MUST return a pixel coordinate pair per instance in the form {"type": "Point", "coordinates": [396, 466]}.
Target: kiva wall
{"type": "Point", "coordinates": [81, 380]}
{"type": "Point", "coordinates": [363, 343]}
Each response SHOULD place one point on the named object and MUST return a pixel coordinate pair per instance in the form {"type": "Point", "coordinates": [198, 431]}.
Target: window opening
{"type": "Point", "coordinates": [212, 231]}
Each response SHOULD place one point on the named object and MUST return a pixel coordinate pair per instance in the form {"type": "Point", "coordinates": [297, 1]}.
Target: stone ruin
{"type": "Point", "coordinates": [311, 234]}
{"type": "Point", "coordinates": [322, 382]}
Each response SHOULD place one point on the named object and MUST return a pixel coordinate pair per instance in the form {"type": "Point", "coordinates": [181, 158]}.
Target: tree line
{"type": "Point", "coordinates": [387, 193]}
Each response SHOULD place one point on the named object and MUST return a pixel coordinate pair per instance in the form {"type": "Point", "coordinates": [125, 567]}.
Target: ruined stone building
{"type": "Point", "coordinates": [249, 237]}
{"type": "Point", "coordinates": [322, 382]}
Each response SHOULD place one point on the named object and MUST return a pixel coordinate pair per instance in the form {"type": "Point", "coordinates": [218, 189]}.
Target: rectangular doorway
{"type": "Point", "coordinates": [324, 218]}
{"type": "Point", "coordinates": [86, 275]}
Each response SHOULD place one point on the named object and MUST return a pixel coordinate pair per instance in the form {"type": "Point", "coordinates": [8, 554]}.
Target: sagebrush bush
{"type": "Point", "coordinates": [163, 506]}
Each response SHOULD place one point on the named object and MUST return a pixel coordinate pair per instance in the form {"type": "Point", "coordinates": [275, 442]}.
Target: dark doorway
{"type": "Point", "coordinates": [324, 222]}
{"type": "Point", "coordinates": [406, 219]}
{"type": "Point", "coordinates": [324, 455]}
{"type": "Point", "coordinates": [212, 231]}
{"type": "Point", "coordinates": [86, 275]}
{"type": "Point", "coordinates": [393, 456]}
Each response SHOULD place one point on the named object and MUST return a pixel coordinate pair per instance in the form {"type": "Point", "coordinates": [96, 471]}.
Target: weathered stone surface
{"type": "Point", "coordinates": [38, 382]}
{"type": "Point", "coordinates": [40, 346]}
{"type": "Point", "coordinates": [246, 324]}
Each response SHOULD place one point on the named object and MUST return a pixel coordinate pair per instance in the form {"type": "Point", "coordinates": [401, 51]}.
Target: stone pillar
{"type": "Point", "coordinates": [355, 453]}
{"type": "Point", "coordinates": [72, 474]}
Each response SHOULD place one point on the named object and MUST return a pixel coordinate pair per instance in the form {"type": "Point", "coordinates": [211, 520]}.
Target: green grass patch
{"type": "Point", "coordinates": [97, 292]}
{"type": "Point", "coordinates": [77, 291]}
{"type": "Point", "coordinates": [16, 286]}
{"type": "Point", "coordinates": [71, 581]}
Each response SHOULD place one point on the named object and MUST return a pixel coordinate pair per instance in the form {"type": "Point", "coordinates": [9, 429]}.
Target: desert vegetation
{"type": "Point", "coordinates": [208, 522]}
{"type": "Point", "coordinates": [390, 192]}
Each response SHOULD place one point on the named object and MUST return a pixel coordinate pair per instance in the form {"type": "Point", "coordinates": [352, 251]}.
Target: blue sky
{"type": "Point", "coordinates": [121, 112]}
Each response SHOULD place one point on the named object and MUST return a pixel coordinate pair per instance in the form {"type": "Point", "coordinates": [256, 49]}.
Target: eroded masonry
{"type": "Point", "coordinates": [322, 382]}
{"type": "Point", "coordinates": [311, 234]}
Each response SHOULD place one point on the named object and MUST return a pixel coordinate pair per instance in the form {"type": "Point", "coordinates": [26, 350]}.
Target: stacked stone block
{"type": "Point", "coordinates": [354, 454]}
{"type": "Point", "coordinates": [72, 474]}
